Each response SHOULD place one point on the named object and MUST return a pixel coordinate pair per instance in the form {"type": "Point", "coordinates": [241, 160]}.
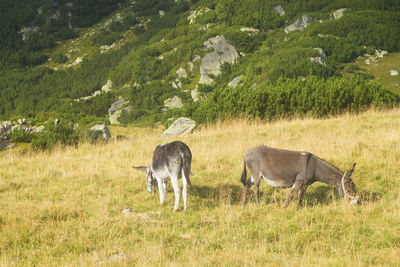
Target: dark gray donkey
{"type": "Point", "coordinates": [169, 161]}
{"type": "Point", "coordinates": [285, 168]}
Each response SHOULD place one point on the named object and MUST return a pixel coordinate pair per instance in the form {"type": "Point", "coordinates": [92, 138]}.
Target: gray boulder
{"type": "Point", "coordinates": [173, 102]}
{"type": "Point", "coordinates": [38, 129]}
{"type": "Point", "coordinates": [99, 132]}
{"type": "Point", "coordinates": [181, 73]}
{"type": "Point", "coordinates": [337, 14]}
{"type": "Point", "coordinates": [223, 53]}
{"type": "Point", "coordinates": [8, 123]}
{"type": "Point", "coordinates": [180, 127]}
{"type": "Point", "coordinates": [319, 59]}
{"type": "Point", "coordinates": [299, 24]}
{"type": "Point", "coordinates": [195, 94]}
{"type": "Point", "coordinates": [279, 10]}
{"type": "Point", "coordinates": [235, 82]}
{"type": "Point", "coordinates": [117, 105]}
{"type": "Point", "coordinates": [116, 110]}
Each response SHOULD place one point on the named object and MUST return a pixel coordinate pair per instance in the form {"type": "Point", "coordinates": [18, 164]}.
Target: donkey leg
{"type": "Point", "coordinates": [291, 195]}
{"type": "Point", "coordinates": [257, 190]}
{"type": "Point", "coordinates": [303, 190]}
{"type": "Point", "coordinates": [184, 191]}
{"type": "Point", "coordinates": [177, 191]}
{"type": "Point", "coordinates": [246, 188]}
{"type": "Point", "coordinates": [161, 189]}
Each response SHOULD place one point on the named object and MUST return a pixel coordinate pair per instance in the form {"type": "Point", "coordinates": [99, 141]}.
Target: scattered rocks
{"type": "Point", "coordinates": [173, 102]}
{"type": "Point", "coordinates": [299, 24]}
{"type": "Point", "coordinates": [279, 10]}
{"type": "Point", "coordinates": [223, 53]}
{"type": "Point", "coordinates": [181, 126]}
{"type": "Point", "coordinates": [99, 132]}
{"type": "Point", "coordinates": [394, 73]}
{"type": "Point", "coordinates": [374, 58]}
{"type": "Point", "coordinates": [337, 14]}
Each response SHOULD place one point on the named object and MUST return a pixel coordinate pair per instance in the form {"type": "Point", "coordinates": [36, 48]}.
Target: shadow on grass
{"type": "Point", "coordinates": [221, 194]}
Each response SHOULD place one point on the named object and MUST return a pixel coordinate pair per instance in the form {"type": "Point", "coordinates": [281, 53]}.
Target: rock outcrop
{"type": "Point", "coordinates": [104, 89]}
{"type": "Point", "coordinates": [173, 102]}
{"type": "Point", "coordinates": [223, 53]}
{"type": "Point", "coordinates": [116, 110]}
{"type": "Point", "coordinates": [99, 132]}
{"type": "Point", "coordinates": [319, 59]}
{"type": "Point", "coordinates": [337, 14]}
{"type": "Point", "coordinates": [181, 73]}
{"type": "Point", "coordinates": [235, 82]}
{"type": "Point", "coordinates": [180, 127]}
{"type": "Point", "coordinates": [195, 94]}
{"type": "Point", "coordinates": [299, 24]}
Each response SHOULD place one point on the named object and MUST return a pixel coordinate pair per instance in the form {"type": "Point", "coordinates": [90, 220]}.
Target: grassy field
{"type": "Point", "coordinates": [66, 207]}
{"type": "Point", "coordinates": [381, 70]}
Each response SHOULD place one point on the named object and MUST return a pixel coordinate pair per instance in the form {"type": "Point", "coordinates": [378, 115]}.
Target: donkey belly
{"type": "Point", "coordinates": [161, 173]}
{"type": "Point", "coordinates": [277, 182]}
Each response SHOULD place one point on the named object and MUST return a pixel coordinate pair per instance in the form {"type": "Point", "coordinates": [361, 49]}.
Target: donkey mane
{"type": "Point", "coordinates": [327, 163]}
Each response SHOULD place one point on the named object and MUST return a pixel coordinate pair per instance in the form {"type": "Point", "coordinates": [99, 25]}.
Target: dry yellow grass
{"type": "Point", "coordinates": [65, 207]}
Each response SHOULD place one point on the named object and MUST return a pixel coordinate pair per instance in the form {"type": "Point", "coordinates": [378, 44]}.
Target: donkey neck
{"type": "Point", "coordinates": [327, 173]}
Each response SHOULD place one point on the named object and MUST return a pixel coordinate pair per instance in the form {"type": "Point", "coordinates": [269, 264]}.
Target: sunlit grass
{"type": "Point", "coordinates": [65, 207]}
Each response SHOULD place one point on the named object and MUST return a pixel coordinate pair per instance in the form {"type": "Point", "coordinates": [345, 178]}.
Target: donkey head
{"type": "Point", "coordinates": [150, 180]}
{"type": "Point", "coordinates": [349, 188]}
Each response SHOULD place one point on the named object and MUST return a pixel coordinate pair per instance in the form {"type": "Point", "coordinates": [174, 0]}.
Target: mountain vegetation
{"type": "Point", "coordinates": [56, 52]}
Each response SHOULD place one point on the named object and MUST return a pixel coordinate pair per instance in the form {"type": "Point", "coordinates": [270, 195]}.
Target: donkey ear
{"type": "Point", "coordinates": [142, 168]}
{"type": "Point", "coordinates": [349, 173]}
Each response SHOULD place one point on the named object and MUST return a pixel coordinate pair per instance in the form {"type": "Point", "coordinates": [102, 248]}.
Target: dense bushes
{"type": "Point", "coordinates": [294, 97]}
{"type": "Point", "coordinates": [57, 134]}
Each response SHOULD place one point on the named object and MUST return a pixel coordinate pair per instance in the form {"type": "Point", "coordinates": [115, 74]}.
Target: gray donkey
{"type": "Point", "coordinates": [169, 161]}
{"type": "Point", "coordinates": [285, 168]}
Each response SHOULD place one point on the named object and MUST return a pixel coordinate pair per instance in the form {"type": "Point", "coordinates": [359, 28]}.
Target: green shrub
{"type": "Point", "coordinates": [19, 135]}
{"type": "Point", "coordinates": [293, 97]}
{"type": "Point", "coordinates": [106, 38]}
{"type": "Point", "coordinates": [56, 134]}
{"type": "Point", "coordinates": [59, 58]}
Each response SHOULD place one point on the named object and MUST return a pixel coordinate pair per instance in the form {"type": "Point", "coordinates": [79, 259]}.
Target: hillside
{"type": "Point", "coordinates": [161, 57]}
{"type": "Point", "coordinates": [87, 206]}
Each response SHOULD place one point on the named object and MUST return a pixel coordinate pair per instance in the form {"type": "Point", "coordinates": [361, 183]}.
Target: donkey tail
{"type": "Point", "coordinates": [244, 174]}
{"type": "Point", "coordinates": [186, 169]}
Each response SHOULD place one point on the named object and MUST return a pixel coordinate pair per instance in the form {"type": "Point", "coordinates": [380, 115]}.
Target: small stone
{"type": "Point", "coordinates": [394, 73]}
